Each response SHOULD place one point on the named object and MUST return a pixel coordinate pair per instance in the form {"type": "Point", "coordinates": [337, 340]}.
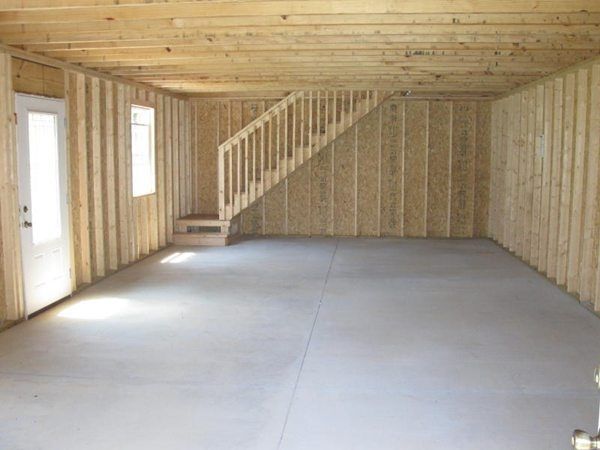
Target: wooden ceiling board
{"type": "Point", "coordinates": [217, 47]}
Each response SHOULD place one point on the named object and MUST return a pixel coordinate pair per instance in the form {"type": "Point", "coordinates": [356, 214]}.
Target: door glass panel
{"type": "Point", "coordinates": [44, 172]}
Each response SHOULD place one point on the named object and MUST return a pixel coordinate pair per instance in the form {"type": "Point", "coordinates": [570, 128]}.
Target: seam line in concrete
{"type": "Point", "coordinates": [310, 335]}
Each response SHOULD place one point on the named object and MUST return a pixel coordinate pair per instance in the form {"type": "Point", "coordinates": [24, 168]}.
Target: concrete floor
{"type": "Point", "coordinates": [306, 344]}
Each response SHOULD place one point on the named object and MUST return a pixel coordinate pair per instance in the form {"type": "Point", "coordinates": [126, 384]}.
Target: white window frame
{"type": "Point", "coordinates": [149, 190]}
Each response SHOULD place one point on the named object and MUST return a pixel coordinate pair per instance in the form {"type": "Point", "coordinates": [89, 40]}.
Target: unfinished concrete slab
{"type": "Point", "coordinates": [306, 344]}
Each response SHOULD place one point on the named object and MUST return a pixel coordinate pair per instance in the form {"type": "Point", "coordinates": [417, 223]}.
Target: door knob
{"type": "Point", "coordinates": [26, 224]}
{"type": "Point", "coordinates": [583, 441]}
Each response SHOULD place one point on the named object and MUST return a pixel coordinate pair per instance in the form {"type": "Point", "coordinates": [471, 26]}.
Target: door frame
{"type": "Point", "coordinates": [62, 135]}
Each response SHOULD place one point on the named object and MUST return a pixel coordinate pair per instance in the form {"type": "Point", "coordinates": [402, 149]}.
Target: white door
{"type": "Point", "coordinates": [43, 200]}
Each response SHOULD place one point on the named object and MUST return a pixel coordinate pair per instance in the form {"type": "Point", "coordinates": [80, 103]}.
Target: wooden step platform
{"type": "Point", "coordinates": [205, 230]}
{"type": "Point", "coordinates": [201, 220]}
{"type": "Point", "coordinates": [203, 239]}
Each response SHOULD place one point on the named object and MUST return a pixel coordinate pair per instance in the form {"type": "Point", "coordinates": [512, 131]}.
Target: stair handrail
{"type": "Point", "coordinates": [262, 118]}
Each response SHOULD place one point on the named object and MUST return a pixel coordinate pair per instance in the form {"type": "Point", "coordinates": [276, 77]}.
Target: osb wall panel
{"type": "Point", "coordinates": [362, 185]}
{"type": "Point", "coordinates": [253, 218]}
{"type": "Point", "coordinates": [367, 178]}
{"type": "Point", "coordinates": [344, 189]}
{"type": "Point", "coordinates": [275, 211]}
{"type": "Point", "coordinates": [391, 168]}
{"type": "Point", "coordinates": [416, 137]}
{"type": "Point", "coordinates": [483, 144]}
{"type": "Point", "coordinates": [438, 168]}
{"type": "Point", "coordinates": [37, 79]}
{"type": "Point", "coordinates": [463, 169]}
{"type": "Point", "coordinates": [216, 121]}
{"type": "Point", "coordinates": [207, 127]}
{"type": "Point", "coordinates": [544, 178]}
{"type": "Point", "coordinates": [320, 192]}
{"type": "Point", "coordinates": [298, 203]}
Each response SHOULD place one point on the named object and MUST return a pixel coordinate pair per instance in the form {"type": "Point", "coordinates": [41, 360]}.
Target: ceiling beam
{"type": "Point", "coordinates": [283, 8]}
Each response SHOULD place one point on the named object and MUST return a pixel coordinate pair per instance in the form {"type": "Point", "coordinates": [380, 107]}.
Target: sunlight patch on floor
{"type": "Point", "coordinates": [177, 257]}
{"type": "Point", "coordinates": [96, 309]}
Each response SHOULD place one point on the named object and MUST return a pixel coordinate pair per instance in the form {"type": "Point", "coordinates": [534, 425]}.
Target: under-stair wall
{"type": "Point", "coordinates": [409, 168]}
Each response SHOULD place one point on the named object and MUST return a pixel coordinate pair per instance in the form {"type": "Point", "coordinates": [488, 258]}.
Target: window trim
{"type": "Point", "coordinates": [138, 103]}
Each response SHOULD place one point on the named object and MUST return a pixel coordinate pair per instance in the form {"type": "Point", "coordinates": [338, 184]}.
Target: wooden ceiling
{"type": "Point", "coordinates": [463, 47]}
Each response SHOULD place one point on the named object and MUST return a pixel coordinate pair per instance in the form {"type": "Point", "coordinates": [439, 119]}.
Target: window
{"type": "Point", "coordinates": [142, 150]}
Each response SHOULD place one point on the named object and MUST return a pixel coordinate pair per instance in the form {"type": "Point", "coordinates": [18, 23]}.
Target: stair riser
{"type": "Point", "coordinates": [184, 227]}
{"type": "Point", "coordinates": [191, 239]}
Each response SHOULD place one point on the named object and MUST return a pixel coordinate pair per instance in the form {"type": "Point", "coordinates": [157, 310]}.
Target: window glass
{"type": "Point", "coordinates": [142, 150]}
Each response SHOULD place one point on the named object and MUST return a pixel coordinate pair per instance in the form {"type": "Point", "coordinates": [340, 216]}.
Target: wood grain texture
{"type": "Point", "coordinates": [108, 228]}
{"type": "Point", "coordinates": [415, 168]}
{"type": "Point", "coordinates": [438, 167]}
{"type": "Point", "coordinates": [556, 182]}
{"type": "Point", "coordinates": [579, 180]}
{"type": "Point", "coordinates": [275, 207]}
{"type": "Point", "coordinates": [252, 218]}
{"type": "Point", "coordinates": [37, 79]}
{"type": "Point", "coordinates": [477, 48]}
{"type": "Point", "coordinates": [11, 292]}
{"type": "Point", "coordinates": [589, 260]}
{"type": "Point", "coordinates": [463, 169]}
{"type": "Point", "coordinates": [547, 158]}
{"type": "Point", "coordinates": [344, 212]}
{"type": "Point", "coordinates": [123, 229]}
{"type": "Point", "coordinates": [320, 190]}
{"type": "Point", "coordinates": [511, 214]}
{"type": "Point", "coordinates": [391, 167]}
{"type": "Point", "coordinates": [567, 179]}
{"type": "Point", "coordinates": [537, 174]}
{"type": "Point", "coordinates": [483, 144]}
{"type": "Point", "coordinates": [298, 202]}
{"type": "Point", "coordinates": [326, 189]}
{"type": "Point", "coordinates": [560, 171]}
{"type": "Point", "coordinates": [368, 160]}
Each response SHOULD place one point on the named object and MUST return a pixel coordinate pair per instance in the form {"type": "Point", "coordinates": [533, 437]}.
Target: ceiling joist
{"type": "Point", "coordinates": [210, 46]}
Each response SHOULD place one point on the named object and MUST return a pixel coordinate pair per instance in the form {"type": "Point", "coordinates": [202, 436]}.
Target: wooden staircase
{"type": "Point", "coordinates": [268, 150]}
{"type": "Point", "coordinates": [274, 145]}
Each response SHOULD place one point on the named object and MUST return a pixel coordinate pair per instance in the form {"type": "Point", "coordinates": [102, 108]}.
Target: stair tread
{"type": "Point", "coordinates": [206, 220]}
{"type": "Point", "coordinates": [200, 217]}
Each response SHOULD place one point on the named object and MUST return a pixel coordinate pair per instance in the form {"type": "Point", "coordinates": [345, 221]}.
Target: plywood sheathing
{"type": "Point", "coordinates": [367, 151]}
{"type": "Point", "coordinates": [365, 168]}
{"type": "Point", "coordinates": [438, 169]}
